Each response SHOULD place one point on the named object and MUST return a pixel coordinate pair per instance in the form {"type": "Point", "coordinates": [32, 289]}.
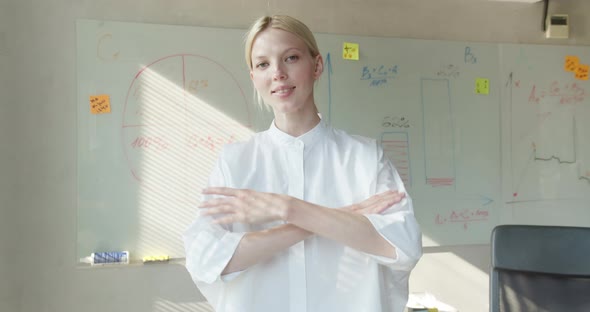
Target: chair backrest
{"type": "Point", "coordinates": [540, 268]}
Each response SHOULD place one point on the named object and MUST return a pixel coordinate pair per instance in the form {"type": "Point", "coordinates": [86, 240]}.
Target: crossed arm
{"type": "Point", "coordinates": [346, 225]}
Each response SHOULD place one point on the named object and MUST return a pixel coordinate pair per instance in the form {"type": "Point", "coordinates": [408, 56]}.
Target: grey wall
{"type": "Point", "coordinates": [8, 150]}
{"type": "Point", "coordinates": [38, 122]}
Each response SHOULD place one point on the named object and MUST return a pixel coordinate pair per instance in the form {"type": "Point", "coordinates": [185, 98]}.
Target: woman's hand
{"type": "Point", "coordinates": [248, 206]}
{"type": "Point", "coordinates": [245, 206]}
{"type": "Point", "coordinates": [376, 204]}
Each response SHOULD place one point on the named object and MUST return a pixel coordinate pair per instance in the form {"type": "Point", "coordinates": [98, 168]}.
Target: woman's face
{"type": "Point", "coordinates": [283, 71]}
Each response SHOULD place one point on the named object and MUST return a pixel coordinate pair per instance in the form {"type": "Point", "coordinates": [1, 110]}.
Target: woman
{"type": "Point", "coordinates": [302, 217]}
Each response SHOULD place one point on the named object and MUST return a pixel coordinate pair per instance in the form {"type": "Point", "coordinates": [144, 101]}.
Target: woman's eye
{"type": "Point", "coordinates": [292, 58]}
{"type": "Point", "coordinates": [261, 65]}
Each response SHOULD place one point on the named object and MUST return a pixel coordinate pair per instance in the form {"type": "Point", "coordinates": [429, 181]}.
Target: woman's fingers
{"type": "Point", "coordinates": [217, 210]}
{"type": "Point", "coordinates": [227, 219]}
{"type": "Point", "coordinates": [216, 202]}
{"type": "Point", "coordinates": [225, 191]}
{"type": "Point", "coordinates": [242, 205]}
{"type": "Point", "coordinates": [378, 203]}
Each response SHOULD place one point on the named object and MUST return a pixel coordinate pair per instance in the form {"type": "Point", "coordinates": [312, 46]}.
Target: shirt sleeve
{"type": "Point", "coordinates": [397, 224]}
{"type": "Point", "coordinates": [209, 247]}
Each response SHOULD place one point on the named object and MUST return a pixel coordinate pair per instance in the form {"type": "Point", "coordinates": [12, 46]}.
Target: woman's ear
{"type": "Point", "coordinates": [319, 66]}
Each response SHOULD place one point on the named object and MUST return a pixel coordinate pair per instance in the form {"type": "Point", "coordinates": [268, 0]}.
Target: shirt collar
{"type": "Point", "coordinates": [308, 138]}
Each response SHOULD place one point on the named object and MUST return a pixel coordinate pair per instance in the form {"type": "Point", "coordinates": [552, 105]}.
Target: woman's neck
{"type": "Point", "coordinates": [296, 124]}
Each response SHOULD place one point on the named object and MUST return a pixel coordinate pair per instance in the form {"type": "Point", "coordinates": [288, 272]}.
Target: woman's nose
{"type": "Point", "coordinates": [279, 73]}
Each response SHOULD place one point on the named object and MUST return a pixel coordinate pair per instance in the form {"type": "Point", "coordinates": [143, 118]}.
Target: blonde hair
{"type": "Point", "coordinates": [282, 22]}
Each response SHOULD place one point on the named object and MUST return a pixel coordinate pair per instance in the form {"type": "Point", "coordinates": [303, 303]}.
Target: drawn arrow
{"type": "Point", "coordinates": [485, 200]}
{"type": "Point", "coordinates": [329, 66]}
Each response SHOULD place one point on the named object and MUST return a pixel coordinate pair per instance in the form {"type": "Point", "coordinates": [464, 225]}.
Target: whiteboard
{"type": "Point", "coordinates": [546, 155]}
{"type": "Point", "coordinates": [417, 98]}
{"type": "Point", "coordinates": [178, 93]}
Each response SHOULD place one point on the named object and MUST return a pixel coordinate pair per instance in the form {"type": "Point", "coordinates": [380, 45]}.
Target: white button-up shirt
{"type": "Point", "coordinates": [327, 167]}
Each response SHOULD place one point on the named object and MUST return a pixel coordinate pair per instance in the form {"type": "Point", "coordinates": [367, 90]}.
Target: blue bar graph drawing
{"type": "Point", "coordinates": [439, 155]}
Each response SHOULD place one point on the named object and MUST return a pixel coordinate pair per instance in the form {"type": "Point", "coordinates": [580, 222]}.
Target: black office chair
{"type": "Point", "coordinates": [540, 269]}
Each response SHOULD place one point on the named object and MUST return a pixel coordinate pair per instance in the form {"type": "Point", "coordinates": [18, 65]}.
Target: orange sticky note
{"type": "Point", "coordinates": [571, 63]}
{"type": "Point", "coordinates": [582, 71]}
{"type": "Point", "coordinates": [100, 104]}
{"type": "Point", "coordinates": [482, 86]}
{"type": "Point", "coordinates": [350, 51]}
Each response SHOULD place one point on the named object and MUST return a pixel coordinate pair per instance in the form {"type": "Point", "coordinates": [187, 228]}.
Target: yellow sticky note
{"type": "Point", "coordinates": [162, 258]}
{"type": "Point", "coordinates": [482, 86]}
{"type": "Point", "coordinates": [100, 104]}
{"type": "Point", "coordinates": [582, 71]}
{"type": "Point", "coordinates": [571, 63]}
{"type": "Point", "coordinates": [350, 51]}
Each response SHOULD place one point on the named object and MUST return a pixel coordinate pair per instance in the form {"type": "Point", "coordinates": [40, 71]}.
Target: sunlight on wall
{"type": "Point", "coordinates": [172, 138]}
{"type": "Point", "coordinates": [161, 305]}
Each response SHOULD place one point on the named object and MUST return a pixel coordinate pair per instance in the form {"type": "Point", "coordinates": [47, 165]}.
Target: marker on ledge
{"type": "Point", "coordinates": [107, 258]}
{"type": "Point", "coordinates": [155, 259]}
